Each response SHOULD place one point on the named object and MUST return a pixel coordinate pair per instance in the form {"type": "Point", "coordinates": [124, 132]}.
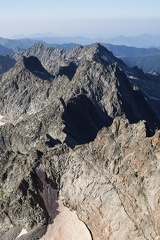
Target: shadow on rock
{"type": "Point", "coordinates": [83, 120]}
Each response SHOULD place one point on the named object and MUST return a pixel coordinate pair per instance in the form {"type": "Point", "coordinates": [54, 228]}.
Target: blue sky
{"type": "Point", "coordinates": [90, 18]}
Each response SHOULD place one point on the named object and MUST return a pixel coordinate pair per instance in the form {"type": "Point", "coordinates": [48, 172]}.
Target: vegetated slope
{"type": "Point", "coordinates": [73, 122]}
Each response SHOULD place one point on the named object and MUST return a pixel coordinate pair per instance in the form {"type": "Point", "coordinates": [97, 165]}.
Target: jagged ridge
{"type": "Point", "coordinates": [78, 128]}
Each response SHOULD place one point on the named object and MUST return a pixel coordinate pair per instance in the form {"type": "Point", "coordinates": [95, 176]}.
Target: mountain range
{"type": "Point", "coordinates": [142, 41]}
{"type": "Point", "coordinates": [82, 125]}
{"type": "Point", "coordinates": [147, 62]}
{"type": "Point", "coordinates": [145, 58]}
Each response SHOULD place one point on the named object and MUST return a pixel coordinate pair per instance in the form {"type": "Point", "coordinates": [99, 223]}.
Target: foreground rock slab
{"type": "Point", "coordinates": [66, 226]}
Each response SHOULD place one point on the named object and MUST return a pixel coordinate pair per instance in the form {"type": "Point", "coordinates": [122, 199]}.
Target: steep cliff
{"type": "Point", "coordinates": [84, 132]}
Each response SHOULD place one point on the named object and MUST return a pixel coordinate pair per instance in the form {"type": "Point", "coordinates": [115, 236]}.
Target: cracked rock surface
{"type": "Point", "coordinates": [84, 132]}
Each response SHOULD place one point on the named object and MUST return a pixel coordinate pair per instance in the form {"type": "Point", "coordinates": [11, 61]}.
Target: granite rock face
{"type": "Point", "coordinates": [77, 126]}
{"type": "Point", "coordinates": [117, 177]}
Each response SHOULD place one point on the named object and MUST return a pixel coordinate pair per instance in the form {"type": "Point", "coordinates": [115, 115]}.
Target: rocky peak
{"type": "Point", "coordinates": [24, 85]}
{"type": "Point", "coordinates": [34, 65]}
{"type": "Point", "coordinates": [100, 74]}
{"type": "Point", "coordinates": [53, 59]}
{"type": "Point", "coordinates": [103, 55]}
{"type": "Point", "coordinates": [31, 64]}
{"type": "Point", "coordinates": [81, 135]}
{"type": "Point", "coordinates": [38, 47]}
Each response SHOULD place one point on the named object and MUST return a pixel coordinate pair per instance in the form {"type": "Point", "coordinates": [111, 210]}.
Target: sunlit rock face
{"type": "Point", "coordinates": [73, 124]}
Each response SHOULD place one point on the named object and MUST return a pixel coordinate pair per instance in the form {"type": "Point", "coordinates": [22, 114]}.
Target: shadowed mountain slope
{"type": "Point", "coordinates": [76, 124]}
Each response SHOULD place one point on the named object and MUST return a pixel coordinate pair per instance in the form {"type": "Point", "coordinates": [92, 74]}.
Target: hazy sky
{"type": "Point", "coordinates": [90, 18]}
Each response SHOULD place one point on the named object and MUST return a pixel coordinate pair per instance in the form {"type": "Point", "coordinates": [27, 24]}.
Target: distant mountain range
{"type": "Point", "coordinates": [147, 63]}
{"type": "Point", "coordinates": [144, 40]}
{"type": "Point", "coordinates": [125, 51]}
{"type": "Point", "coordinates": [5, 50]}
{"type": "Point", "coordinates": [17, 43]}
{"type": "Point", "coordinates": [6, 62]}
{"type": "Point", "coordinates": [145, 58]}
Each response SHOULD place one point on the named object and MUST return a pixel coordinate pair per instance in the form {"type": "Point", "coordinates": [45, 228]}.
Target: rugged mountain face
{"type": "Point", "coordinates": [55, 61]}
{"type": "Point", "coordinates": [52, 58]}
{"type": "Point", "coordinates": [71, 122]}
{"type": "Point", "coordinates": [91, 74]}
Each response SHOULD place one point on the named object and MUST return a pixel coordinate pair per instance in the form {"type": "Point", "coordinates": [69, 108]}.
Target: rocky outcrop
{"type": "Point", "coordinates": [115, 178]}
{"type": "Point", "coordinates": [54, 60]}
{"type": "Point", "coordinates": [86, 134]}
{"type": "Point", "coordinates": [101, 81]}
{"type": "Point", "coordinates": [112, 183]}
